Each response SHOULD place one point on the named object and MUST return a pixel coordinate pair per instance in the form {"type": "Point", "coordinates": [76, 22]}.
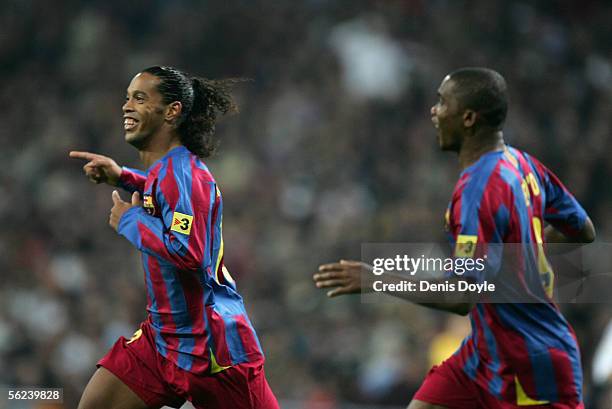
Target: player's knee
{"type": "Point", "coordinates": [106, 391]}
{"type": "Point", "coordinates": [92, 400]}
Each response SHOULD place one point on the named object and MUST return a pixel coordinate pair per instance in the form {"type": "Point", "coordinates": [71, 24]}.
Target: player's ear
{"type": "Point", "coordinates": [173, 111]}
{"type": "Point", "coordinates": [469, 118]}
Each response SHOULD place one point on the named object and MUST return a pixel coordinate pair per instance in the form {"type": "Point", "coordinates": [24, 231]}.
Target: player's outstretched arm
{"type": "Point", "coordinates": [99, 168]}
{"type": "Point", "coordinates": [354, 277]}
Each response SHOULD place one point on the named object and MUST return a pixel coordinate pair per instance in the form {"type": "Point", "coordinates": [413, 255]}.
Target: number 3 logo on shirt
{"type": "Point", "coordinates": [181, 223]}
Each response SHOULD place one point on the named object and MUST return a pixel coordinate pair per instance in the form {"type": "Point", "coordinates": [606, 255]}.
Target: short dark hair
{"type": "Point", "coordinates": [484, 91]}
{"type": "Point", "coordinates": [202, 99]}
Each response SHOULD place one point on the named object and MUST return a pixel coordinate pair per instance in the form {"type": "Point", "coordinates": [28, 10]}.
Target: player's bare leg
{"type": "Point", "coordinates": [419, 404]}
{"type": "Point", "coordinates": [106, 391]}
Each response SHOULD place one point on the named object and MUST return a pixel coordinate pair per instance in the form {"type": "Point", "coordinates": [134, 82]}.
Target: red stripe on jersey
{"type": "Point", "coordinates": [217, 329]}
{"type": "Point", "coordinates": [483, 352]}
{"type": "Point", "coordinates": [200, 199]}
{"type": "Point", "coordinates": [518, 355]}
{"type": "Point", "coordinates": [245, 331]}
{"type": "Point", "coordinates": [564, 376]}
{"type": "Point", "coordinates": [168, 186]}
{"type": "Point", "coordinates": [152, 176]}
{"type": "Point", "coordinates": [163, 302]}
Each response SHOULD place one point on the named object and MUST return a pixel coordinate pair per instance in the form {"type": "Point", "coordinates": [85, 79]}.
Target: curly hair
{"type": "Point", "coordinates": [202, 101]}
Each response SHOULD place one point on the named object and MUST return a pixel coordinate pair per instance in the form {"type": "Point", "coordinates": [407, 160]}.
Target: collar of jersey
{"type": "Point", "coordinates": [176, 151]}
{"type": "Point", "coordinates": [482, 159]}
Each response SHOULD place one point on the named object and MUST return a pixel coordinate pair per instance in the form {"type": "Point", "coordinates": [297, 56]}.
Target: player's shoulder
{"type": "Point", "coordinates": [526, 158]}
{"type": "Point", "coordinates": [489, 180]}
{"type": "Point", "coordinates": [478, 175]}
{"type": "Point", "coordinates": [185, 165]}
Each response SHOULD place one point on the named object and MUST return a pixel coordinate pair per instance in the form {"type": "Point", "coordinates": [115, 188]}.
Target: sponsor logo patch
{"type": "Point", "coordinates": [466, 245]}
{"type": "Point", "coordinates": [181, 223]}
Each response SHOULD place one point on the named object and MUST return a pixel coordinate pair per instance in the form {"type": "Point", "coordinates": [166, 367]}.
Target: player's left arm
{"type": "Point", "coordinates": [568, 222]}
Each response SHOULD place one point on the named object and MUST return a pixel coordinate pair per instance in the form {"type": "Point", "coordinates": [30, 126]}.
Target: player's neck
{"type": "Point", "coordinates": [475, 146]}
{"type": "Point", "coordinates": [156, 149]}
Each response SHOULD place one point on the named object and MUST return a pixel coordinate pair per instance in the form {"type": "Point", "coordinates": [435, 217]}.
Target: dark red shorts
{"type": "Point", "coordinates": [159, 382]}
{"type": "Point", "coordinates": [447, 385]}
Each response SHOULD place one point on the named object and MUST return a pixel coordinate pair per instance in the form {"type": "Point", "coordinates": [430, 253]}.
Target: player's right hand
{"type": "Point", "coordinates": [99, 168]}
{"type": "Point", "coordinates": [345, 277]}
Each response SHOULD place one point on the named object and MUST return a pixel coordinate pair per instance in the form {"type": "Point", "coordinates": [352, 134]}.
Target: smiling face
{"type": "Point", "coordinates": [143, 111]}
{"type": "Point", "coordinates": [448, 118]}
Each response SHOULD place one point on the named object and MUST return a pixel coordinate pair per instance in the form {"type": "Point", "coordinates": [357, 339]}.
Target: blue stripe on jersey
{"type": "Point", "coordinates": [136, 171]}
{"type": "Point", "coordinates": [234, 343]}
{"type": "Point", "coordinates": [541, 183]}
{"type": "Point", "coordinates": [551, 330]}
{"type": "Point", "coordinates": [537, 341]}
{"type": "Point", "coordinates": [201, 165]}
{"type": "Point", "coordinates": [182, 320]}
{"type": "Point", "coordinates": [208, 252]}
{"type": "Point", "coordinates": [168, 215]}
{"type": "Point", "coordinates": [473, 191]}
{"type": "Point", "coordinates": [159, 340]}
{"type": "Point", "coordinates": [181, 167]}
{"type": "Point", "coordinates": [217, 236]}
{"type": "Point", "coordinates": [502, 222]}
{"type": "Point", "coordinates": [531, 274]}
{"type": "Point", "coordinates": [228, 305]}
{"type": "Point", "coordinates": [495, 384]}
{"type": "Point", "coordinates": [472, 362]}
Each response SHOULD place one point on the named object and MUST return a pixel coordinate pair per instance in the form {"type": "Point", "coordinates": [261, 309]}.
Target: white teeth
{"type": "Point", "coordinates": [129, 123]}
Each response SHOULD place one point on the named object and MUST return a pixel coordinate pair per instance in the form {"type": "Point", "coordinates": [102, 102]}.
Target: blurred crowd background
{"type": "Point", "coordinates": [333, 147]}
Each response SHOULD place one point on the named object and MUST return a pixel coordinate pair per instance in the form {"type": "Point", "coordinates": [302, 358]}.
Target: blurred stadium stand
{"type": "Point", "coordinates": [333, 147]}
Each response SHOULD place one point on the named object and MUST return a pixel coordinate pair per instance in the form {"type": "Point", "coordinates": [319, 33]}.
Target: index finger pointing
{"type": "Point", "coordinates": [82, 155]}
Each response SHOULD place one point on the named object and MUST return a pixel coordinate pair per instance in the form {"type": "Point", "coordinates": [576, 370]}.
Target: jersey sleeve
{"type": "Point", "coordinates": [479, 220]}
{"type": "Point", "coordinates": [132, 180]}
{"type": "Point", "coordinates": [561, 209]}
{"type": "Point", "coordinates": [179, 236]}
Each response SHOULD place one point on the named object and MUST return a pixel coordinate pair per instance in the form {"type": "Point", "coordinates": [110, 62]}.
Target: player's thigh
{"type": "Point", "coordinates": [106, 391]}
{"type": "Point", "coordinates": [418, 404]}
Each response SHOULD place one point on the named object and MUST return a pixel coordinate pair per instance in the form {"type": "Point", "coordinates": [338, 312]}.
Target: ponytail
{"type": "Point", "coordinates": [202, 100]}
{"type": "Point", "coordinates": [210, 98]}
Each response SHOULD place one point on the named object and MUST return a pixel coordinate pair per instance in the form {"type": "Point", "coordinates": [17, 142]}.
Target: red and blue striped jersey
{"type": "Point", "coordinates": [521, 349]}
{"type": "Point", "coordinates": [198, 317]}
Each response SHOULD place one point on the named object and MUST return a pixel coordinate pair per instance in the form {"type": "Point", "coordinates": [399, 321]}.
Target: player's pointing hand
{"type": "Point", "coordinates": [99, 168]}
{"type": "Point", "coordinates": [345, 277]}
{"type": "Point", "coordinates": [120, 207]}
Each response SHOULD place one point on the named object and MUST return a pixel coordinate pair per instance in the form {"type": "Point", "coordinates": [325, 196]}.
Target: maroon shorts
{"type": "Point", "coordinates": [447, 385]}
{"type": "Point", "coordinates": [159, 382]}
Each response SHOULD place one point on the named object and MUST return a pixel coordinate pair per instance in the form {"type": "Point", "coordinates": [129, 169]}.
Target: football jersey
{"type": "Point", "coordinates": [521, 349]}
{"type": "Point", "coordinates": [198, 317]}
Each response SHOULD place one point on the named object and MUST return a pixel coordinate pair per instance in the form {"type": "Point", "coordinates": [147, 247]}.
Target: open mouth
{"type": "Point", "coordinates": [129, 123]}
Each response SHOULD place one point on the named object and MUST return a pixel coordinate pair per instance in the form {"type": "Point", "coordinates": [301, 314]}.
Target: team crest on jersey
{"type": "Point", "coordinates": [181, 223]}
{"type": "Point", "coordinates": [147, 204]}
